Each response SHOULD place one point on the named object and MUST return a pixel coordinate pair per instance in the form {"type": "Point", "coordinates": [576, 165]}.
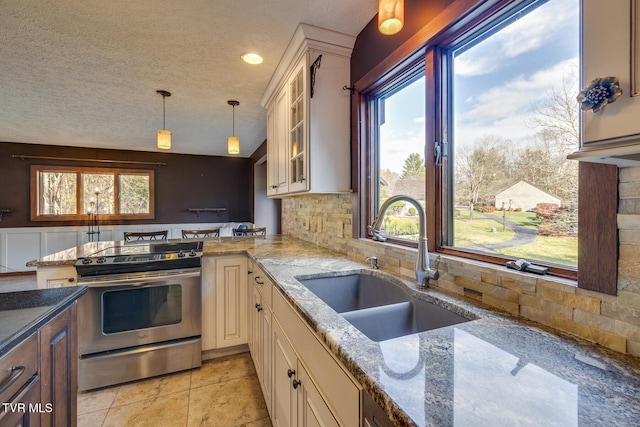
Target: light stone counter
{"type": "Point", "coordinates": [492, 371]}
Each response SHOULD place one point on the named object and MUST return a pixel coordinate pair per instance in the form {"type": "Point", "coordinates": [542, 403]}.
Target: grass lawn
{"type": "Point", "coordinates": [556, 250]}
{"type": "Point", "coordinates": [478, 231]}
{"type": "Point", "coordinates": [525, 219]}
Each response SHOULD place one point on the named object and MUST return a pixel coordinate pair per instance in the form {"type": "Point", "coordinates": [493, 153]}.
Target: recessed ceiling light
{"type": "Point", "coordinates": [251, 58]}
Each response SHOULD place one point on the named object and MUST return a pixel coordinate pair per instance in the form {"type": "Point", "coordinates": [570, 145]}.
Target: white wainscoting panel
{"type": "Point", "coordinates": [21, 245]}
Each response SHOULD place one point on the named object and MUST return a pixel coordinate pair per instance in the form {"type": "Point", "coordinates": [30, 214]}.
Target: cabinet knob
{"type": "Point", "coordinates": [291, 372]}
{"type": "Point", "coordinates": [296, 383]}
{"type": "Point", "coordinates": [258, 281]}
{"type": "Point", "coordinates": [258, 307]}
{"type": "Point", "coordinates": [71, 279]}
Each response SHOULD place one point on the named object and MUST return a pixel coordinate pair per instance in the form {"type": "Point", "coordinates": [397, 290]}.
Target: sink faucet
{"type": "Point", "coordinates": [424, 272]}
{"type": "Point", "coordinates": [374, 261]}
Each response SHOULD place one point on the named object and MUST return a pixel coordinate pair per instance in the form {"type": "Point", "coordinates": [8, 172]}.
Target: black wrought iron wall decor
{"type": "Point", "coordinates": [314, 67]}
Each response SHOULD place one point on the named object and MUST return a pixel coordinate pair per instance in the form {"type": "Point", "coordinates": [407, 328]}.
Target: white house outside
{"type": "Point", "coordinates": [523, 195]}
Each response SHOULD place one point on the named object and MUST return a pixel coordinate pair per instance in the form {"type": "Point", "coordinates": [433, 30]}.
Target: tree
{"type": "Point", "coordinates": [413, 167]}
{"type": "Point", "coordinates": [480, 168]}
{"type": "Point", "coordinates": [545, 159]}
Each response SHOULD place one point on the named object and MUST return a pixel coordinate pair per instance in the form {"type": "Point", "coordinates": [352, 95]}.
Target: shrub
{"type": "Point", "coordinates": [485, 209]}
{"type": "Point", "coordinates": [546, 210]}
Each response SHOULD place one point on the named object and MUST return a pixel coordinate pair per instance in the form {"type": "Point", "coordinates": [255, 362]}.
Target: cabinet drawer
{"type": "Point", "coordinates": [17, 366]}
{"type": "Point", "coordinates": [335, 385]}
{"type": "Point", "coordinates": [264, 285]}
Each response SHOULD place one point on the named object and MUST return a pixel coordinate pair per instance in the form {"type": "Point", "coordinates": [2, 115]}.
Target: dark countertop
{"type": "Point", "coordinates": [22, 313]}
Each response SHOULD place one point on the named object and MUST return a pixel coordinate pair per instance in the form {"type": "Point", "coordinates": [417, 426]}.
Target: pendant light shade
{"type": "Point", "coordinates": [164, 139]}
{"type": "Point", "coordinates": [164, 136]}
{"type": "Point", "coordinates": [233, 142]}
{"type": "Point", "coordinates": [390, 16]}
{"type": "Point", "coordinates": [233, 145]}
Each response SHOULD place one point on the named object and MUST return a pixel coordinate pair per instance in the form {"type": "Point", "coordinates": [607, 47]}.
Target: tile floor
{"type": "Point", "coordinates": [224, 392]}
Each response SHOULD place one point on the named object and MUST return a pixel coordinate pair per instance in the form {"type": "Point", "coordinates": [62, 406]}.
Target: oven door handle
{"type": "Point", "coordinates": [141, 280]}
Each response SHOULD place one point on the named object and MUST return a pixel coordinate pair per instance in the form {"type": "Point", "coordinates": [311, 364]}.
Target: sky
{"type": "Point", "coordinates": [533, 54]}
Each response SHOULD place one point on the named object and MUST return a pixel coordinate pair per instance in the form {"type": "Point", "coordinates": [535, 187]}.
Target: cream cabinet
{"type": "Point", "coordinates": [224, 301]}
{"type": "Point", "coordinates": [302, 383]}
{"type": "Point", "coordinates": [308, 115]}
{"type": "Point", "coordinates": [296, 399]}
{"type": "Point", "coordinates": [307, 379]}
{"type": "Point", "coordinates": [277, 183]}
{"type": "Point", "coordinates": [260, 288]}
{"type": "Point", "coordinates": [56, 276]}
{"type": "Point", "coordinates": [611, 135]}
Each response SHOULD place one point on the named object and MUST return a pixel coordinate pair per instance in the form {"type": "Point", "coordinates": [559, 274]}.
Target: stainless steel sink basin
{"type": "Point", "coordinates": [355, 291]}
{"type": "Point", "coordinates": [380, 308]}
{"type": "Point", "coordinates": [405, 318]}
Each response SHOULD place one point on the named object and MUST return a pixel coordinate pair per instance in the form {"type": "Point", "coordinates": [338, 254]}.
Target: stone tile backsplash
{"type": "Point", "coordinates": [612, 321]}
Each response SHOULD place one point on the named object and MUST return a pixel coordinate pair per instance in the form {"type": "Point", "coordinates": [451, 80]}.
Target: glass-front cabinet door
{"type": "Point", "coordinates": [298, 144]}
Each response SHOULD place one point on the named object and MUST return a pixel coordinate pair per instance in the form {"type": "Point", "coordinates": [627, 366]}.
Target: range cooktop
{"type": "Point", "coordinates": [140, 257]}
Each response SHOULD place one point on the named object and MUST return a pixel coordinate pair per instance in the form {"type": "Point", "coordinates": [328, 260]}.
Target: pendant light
{"type": "Point", "coordinates": [390, 16]}
{"type": "Point", "coordinates": [164, 136]}
{"type": "Point", "coordinates": [233, 142]}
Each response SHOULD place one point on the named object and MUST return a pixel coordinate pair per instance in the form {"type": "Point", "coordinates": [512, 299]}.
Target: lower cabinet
{"type": "Point", "coordinates": [59, 369]}
{"type": "Point", "coordinates": [38, 378]}
{"type": "Point", "coordinates": [303, 384]}
{"type": "Point", "coordinates": [56, 277]}
{"type": "Point", "coordinates": [296, 399]}
{"type": "Point", "coordinates": [224, 301]}
{"type": "Point", "coordinates": [260, 329]}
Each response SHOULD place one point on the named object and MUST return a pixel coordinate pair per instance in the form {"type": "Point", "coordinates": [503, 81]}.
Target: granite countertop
{"type": "Point", "coordinates": [492, 371]}
{"type": "Point", "coordinates": [22, 313]}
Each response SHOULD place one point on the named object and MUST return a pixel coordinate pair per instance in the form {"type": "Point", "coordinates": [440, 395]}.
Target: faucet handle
{"type": "Point", "coordinates": [374, 261]}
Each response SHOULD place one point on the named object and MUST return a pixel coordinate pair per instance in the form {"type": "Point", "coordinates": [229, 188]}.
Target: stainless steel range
{"type": "Point", "coordinates": [142, 315]}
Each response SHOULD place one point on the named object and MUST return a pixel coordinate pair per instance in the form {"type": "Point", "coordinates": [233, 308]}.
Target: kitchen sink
{"type": "Point", "coordinates": [355, 291]}
{"type": "Point", "coordinates": [378, 307]}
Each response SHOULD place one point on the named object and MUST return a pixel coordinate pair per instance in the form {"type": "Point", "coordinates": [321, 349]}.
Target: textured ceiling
{"type": "Point", "coordinates": [85, 72]}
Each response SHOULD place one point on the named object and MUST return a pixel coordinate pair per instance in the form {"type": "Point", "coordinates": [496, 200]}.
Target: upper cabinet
{"type": "Point", "coordinates": [612, 49]}
{"type": "Point", "coordinates": [308, 115]}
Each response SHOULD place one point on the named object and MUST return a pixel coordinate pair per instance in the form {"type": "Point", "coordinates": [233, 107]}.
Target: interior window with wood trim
{"type": "Point", "coordinates": [66, 193]}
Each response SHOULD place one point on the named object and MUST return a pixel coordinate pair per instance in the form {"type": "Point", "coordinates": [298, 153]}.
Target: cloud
{"type": "Point", "coordinates": [519, 94]}
{"type": "Point", "coordinates": [524, 35]}
{"type": "Point", "coordinates": [506, 109]}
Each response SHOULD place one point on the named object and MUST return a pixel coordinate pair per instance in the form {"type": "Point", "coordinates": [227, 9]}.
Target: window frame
{"type": "Point", "coordinates": [403, 74]}
{"type": "Point", "coordinates": [35, 191]}
{"type": "Point", "coordinates": [433, 54]}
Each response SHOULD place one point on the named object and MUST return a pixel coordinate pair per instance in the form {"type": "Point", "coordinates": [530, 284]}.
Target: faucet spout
{"type": "Point", "coordinates": [423, 269]}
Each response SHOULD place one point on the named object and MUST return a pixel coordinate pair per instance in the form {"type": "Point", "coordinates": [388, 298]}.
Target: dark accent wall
{"type": "Point", "coordinates": [371, 46]}
{"type": "Point", "coordinates": [187, 181]}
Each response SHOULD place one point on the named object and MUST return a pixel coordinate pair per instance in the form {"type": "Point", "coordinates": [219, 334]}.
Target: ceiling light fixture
{"type": "Point", "coordinates": [233, 142]}
{"type": "Point", "coordinates": [390, 16]}
{"type": "Point", "coordinates": [251, 58]}
{"type": "Point", "coordinates": [164, 136]}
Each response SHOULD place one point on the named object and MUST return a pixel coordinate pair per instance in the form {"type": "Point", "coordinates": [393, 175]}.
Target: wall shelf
{"type": "Point", "coordinates": [214, 210]}
{"type": "Point", "coordinates": [4, 211]}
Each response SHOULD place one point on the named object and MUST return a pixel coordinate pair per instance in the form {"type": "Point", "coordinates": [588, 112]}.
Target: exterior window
{"type": "Point", "coordinates": [62, 193]}
{"type": "Point", "coordinates": [399, 164]}
{"type": "Point", "coordinates": [492, 142]}
{"type": "Point", "coordinates": [513, 119]}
